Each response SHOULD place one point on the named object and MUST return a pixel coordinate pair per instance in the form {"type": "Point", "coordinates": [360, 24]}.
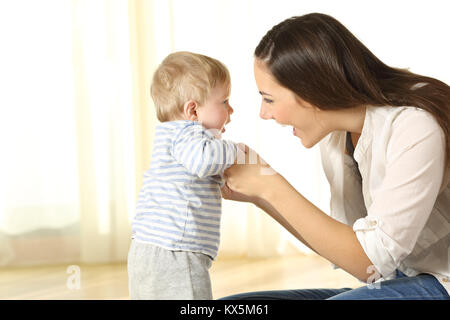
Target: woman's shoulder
{"type": "Point", "coordinates": [404, 125]}
{"type": "Point", "coordinates": [398, 129]}
{"type": "Point", "coordinates": [404, 116]}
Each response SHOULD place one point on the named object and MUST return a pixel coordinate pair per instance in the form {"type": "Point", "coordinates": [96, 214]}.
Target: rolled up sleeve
{"type": "Point", "coordinates": [402, 203]}
{"type": "Point", "coordinates": [380, 248]}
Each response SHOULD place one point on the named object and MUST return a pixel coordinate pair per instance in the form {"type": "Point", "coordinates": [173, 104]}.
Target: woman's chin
{"type": "Point", "coordinates": [306, 142]}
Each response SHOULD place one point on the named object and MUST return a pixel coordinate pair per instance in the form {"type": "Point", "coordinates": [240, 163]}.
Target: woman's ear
{"type": "Point", "coordinates": [190, 110]}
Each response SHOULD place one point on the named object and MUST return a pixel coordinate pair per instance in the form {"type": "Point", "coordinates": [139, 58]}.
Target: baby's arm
{"type": "Point", "coordinates": [200, 153]}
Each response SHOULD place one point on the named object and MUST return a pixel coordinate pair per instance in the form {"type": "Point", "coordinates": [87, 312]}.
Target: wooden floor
{"type": "Point", "coordinates": [228, 276]}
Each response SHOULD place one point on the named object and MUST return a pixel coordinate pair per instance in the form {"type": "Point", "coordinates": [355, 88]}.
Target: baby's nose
{"type": "Point", "coordinates": [230, 112]}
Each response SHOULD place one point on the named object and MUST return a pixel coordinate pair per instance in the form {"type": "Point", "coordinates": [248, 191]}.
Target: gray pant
{"type": "Point", "coordinates": [155, 273]}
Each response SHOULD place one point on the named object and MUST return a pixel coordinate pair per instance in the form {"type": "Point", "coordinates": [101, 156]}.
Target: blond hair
{"type": "Point", "coordinates": [184, 76]}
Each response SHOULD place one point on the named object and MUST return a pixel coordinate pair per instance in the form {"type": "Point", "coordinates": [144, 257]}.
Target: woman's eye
{"type": "Point", "coordinates": [268, 100]}
{"type": "Point", "coordinates": [226, 101]}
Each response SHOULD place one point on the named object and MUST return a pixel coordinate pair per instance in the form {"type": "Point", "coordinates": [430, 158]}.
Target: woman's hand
{"type": "Point", "coordinates": [229, 194]}
{"type": "Point", "coordinates": [249, 178]}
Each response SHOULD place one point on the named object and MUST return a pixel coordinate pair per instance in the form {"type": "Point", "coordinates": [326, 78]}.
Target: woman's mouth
{"type": "Point", "coordinates": [296, 132]}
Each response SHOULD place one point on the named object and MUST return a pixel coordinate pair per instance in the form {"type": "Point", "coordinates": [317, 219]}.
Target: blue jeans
{"type": "Point", "coordinates": [420, 287]}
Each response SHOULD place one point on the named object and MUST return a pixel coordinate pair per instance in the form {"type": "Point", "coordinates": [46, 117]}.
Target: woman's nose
{"type": "Point", "coordinates": [264, 113]}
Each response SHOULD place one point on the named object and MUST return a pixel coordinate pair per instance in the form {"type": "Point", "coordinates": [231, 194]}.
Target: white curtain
{"type": "Point", "coordinates": [70, 95]}
{"type": "Point", "coordinates": [39, 189]}
{"type": "Point", "coordinates": [77, 122]}
{"type": "Point", "coordinates": [105, 129]}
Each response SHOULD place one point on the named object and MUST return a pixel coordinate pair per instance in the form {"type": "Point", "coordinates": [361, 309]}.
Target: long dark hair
{"type": "Point", "coordinates": [321, 61]}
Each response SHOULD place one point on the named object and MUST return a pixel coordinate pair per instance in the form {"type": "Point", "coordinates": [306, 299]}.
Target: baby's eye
{"type": "Point", "coordinates": [226, 101]}
{"type": "Point", "coordinates": [268, 100]}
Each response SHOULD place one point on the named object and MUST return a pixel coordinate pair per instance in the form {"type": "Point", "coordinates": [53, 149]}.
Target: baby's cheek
{"type": "Point", "coordinates": [220, 119]}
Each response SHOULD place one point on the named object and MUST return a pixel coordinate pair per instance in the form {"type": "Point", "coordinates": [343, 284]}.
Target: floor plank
{"type": "Point", "coordinates": [228, 276]}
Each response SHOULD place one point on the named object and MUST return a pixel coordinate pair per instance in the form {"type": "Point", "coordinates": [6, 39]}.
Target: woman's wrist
{"type": "Point", "coordinates": [273, 185]}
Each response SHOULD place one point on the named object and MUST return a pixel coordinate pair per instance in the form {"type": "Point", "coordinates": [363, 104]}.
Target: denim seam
{"type": "Point", "coordinates": [407, 297]}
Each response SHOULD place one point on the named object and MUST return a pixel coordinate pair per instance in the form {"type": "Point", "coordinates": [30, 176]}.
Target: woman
{"type": "Point", "coordinates": [384, 141]}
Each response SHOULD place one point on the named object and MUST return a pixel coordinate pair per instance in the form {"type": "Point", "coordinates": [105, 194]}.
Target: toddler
{"type": "Point", "coordinates": [175, 233]}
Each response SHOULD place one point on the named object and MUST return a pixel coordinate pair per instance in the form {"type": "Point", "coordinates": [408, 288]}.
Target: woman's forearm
{"type": "Point", "coordinates": [270, 210]}
{"type": "Point", "coordinates": [333, 240]}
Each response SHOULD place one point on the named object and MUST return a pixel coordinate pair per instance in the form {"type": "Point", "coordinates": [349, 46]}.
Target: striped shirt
{"type": "Point", "coordinates": [179, 205]}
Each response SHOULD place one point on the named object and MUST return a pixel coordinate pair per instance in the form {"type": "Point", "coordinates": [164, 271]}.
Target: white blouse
{"type": "Point", "coordinates": [399, 201]}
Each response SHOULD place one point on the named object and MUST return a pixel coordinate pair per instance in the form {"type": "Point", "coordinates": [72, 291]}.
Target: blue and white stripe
{"type": "Point", "coordinates": [179, 205]}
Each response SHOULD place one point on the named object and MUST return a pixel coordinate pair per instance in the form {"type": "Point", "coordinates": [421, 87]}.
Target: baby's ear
{"type": "Point", "coordinates": [190, 110]}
